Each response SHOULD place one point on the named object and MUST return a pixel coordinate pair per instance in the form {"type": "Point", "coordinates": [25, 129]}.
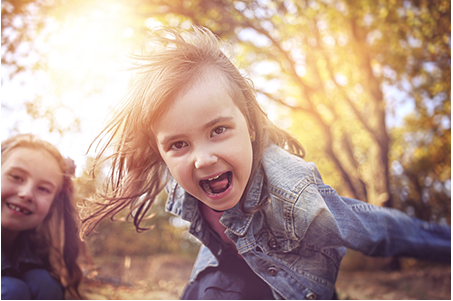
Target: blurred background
{"type": "Point", "coordinates": [364, 85]}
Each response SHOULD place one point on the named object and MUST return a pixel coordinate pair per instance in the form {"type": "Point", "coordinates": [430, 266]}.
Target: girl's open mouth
{"type": "Point", "coordinates": [217, 184]}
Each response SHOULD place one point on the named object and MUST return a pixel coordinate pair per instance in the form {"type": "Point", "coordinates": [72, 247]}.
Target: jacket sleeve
{"type": "Point", "coordinates": [372, 230]}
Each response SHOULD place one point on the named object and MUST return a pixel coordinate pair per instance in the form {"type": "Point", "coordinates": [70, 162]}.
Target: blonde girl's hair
{"type": "Point", "coordinates": [55, 240]}
{"type": "Point", "coordinates": [175, 59]}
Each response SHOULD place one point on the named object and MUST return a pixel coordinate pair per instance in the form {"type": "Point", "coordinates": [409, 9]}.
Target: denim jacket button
{"type": "Point", "coordinates": [310, 296]}
{"type": "Point", "coordinates": [273, 243]}
{"type": "Point", "coordinates": [272, 271]}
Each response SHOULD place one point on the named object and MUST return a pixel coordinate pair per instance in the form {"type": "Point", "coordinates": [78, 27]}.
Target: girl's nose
{"type": "Point", "coordinates": [204, 159]}
{"type": "Point", "coordinates": [26, 192]}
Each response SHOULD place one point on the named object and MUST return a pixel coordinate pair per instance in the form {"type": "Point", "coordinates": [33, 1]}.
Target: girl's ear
{"type": "Point", "coordinates": [252, 135]}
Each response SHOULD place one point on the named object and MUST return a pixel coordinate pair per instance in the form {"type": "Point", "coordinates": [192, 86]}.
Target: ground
{"type": "Point", "coordinates": [426, 284]}
{"type": "Point", "coordinates": [163, 277]}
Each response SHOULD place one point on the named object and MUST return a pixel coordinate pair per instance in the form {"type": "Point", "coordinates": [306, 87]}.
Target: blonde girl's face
{"type": "Point", "coordinates": [205, 142]}
{"type": "Point", "coordinates": [31, 178]}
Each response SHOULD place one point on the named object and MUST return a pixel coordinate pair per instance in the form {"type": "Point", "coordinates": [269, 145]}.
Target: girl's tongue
{"type": "Point", "coordinates": [216, 185]}
{"type": "Point", "coordinates": [220, 184]}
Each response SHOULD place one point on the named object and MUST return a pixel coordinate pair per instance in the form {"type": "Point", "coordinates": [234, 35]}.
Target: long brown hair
{"type": "Point", "coordinates": [174, 60]}
{"type": "Point", "coordinates": [55, 240]}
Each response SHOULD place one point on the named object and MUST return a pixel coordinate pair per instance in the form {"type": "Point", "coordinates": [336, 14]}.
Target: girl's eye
{"type": "Point", "coordinates": [178, 145]}
{"type": "Point", "coordinates": [44, 189]}
{"type": "Point", "coordinates": [218, 130]}
{"type": "Point", "coordinates": [16, 177]}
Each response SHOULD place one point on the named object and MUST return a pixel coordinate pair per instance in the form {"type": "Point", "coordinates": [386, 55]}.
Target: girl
{"type": "Point", "coordinates": [39, 233]}
{"type": "Point", "coordinates": [269, 227]}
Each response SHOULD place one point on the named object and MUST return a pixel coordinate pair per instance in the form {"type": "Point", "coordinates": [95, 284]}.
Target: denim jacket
{"type": "Point", "coordinates": [296, 242]}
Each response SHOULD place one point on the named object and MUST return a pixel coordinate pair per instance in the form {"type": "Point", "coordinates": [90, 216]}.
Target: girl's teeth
{"type": "Point", "coordinates": [214, 178]}
{"type": "Point", "coordinates": [16, 208]}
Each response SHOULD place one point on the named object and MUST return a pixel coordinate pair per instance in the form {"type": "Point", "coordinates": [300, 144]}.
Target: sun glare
{"type": "Point", "coordinates": [86, 52]}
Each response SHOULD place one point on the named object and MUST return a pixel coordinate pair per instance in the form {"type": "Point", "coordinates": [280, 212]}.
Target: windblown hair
{"type": "Point", "coordinates": [55, 240]}
{"type": "Point", "coordinates": [175, 60]}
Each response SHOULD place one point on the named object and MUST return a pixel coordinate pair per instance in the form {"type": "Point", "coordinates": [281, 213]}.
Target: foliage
{"type": "Point", "coordinates": [164, 237]}
{"type": "Point", "coordinates": [168, 234]}
{"type": "Point", "coordinates": [421, 177]}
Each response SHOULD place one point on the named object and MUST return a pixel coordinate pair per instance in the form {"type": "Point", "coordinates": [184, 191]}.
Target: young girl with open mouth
{"type": "Point", "coordinates": [269, 227]}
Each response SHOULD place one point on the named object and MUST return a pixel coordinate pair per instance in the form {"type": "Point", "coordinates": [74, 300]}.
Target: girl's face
{"type": "Point", "coordinates": [205, 142]}
{"type": "Point", "coordinates": [31, 178]}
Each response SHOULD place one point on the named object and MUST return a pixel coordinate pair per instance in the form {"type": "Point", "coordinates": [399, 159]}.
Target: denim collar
{"type": "Point", "coordinates": [237, 221]}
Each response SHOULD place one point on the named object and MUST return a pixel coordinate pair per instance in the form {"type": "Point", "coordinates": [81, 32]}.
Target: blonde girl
{"type": "Point", "coordinates": [269, 226]}
{"type": "Point", "coordinates": [39, 233]}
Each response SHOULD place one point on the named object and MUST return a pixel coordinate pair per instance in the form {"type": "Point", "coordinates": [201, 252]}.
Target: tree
{"type": "Point", "coordinates": [421, 177]}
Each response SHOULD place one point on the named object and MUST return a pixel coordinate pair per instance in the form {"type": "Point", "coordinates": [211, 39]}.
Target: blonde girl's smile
{"type": "Point", "coordinates": [205, 142]}
{"type": "Point", "coordinates": [18, 209]}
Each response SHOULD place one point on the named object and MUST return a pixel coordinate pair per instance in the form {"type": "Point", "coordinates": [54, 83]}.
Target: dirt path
{"type": "Point", "coordinates": [164, 277]}
{"type": "Point", "coordinates": [160, 277]}
{"type": "Point", "coordinates": [426, 284]}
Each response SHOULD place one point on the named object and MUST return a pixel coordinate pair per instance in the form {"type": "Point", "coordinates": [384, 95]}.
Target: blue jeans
{"type": "Point", "coordinates": [36, 284]}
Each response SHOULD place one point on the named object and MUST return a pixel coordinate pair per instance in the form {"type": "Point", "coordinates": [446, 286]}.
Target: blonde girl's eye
{"type": "Point", "coordinates": [178, 145]}
{"type": "Point", "coordinates": [16, 177]}
{"type": "Point", "coordinates": [45, 189]}
{"type": "Point", "coordinates": [218, 131]}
